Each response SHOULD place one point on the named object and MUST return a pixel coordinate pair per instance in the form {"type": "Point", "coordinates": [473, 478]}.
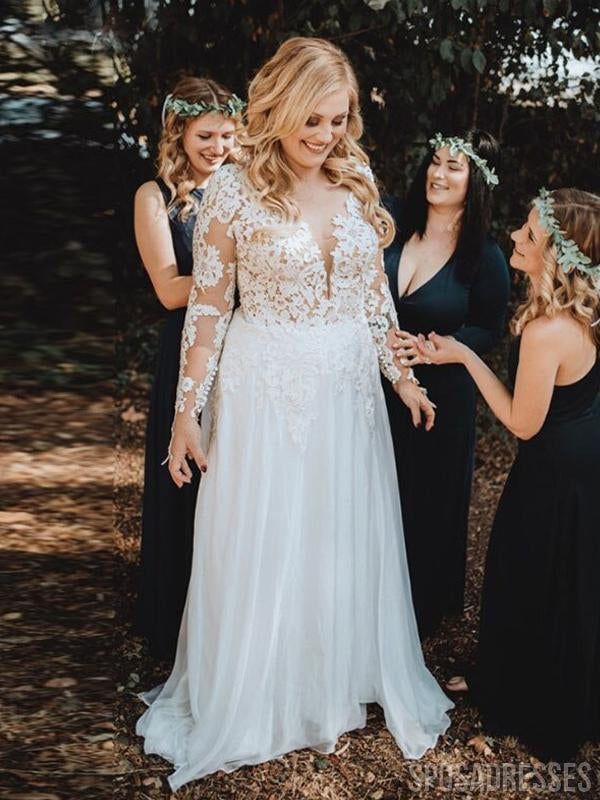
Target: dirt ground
{"type": "Point", "coordinates": [57, 615]}
{"type": "Point", "coordinates": [71, 474]}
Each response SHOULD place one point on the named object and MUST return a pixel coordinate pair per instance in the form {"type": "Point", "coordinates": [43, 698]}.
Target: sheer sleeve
{"type": "Point", "coordinates": [212, 295]}
{"type": "Point", "coordinates": [380, 310]}
{"type": "Point", "coordinates": [382, 319]}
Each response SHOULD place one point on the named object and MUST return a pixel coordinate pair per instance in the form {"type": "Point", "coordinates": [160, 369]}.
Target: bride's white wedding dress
{"type": "Point", "coordinates": [299, 608]}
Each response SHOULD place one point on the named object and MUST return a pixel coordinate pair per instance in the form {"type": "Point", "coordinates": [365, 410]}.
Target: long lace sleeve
{"type": "Point", "coordinates": [211, 300]}
{"type": "Point", "coordinates": [381, 315]}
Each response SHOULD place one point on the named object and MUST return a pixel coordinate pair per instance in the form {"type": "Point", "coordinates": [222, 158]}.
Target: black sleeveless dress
{"type": "Point", "coordinates": [168, 512]}
{"type": "Point", "coordinates": [538, 667]}
{"type": "Point", "coordinates": [435, 467]}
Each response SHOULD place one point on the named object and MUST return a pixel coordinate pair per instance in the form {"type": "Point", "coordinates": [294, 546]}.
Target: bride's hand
{"type": "Point", "coordinates": [417, 402]}
{"type": "Point", "coordinates": [185, 441]}
{"type": "Point", "coordinates": [441, 349]}
{"type": "Point", "coordinates": [404, 345]}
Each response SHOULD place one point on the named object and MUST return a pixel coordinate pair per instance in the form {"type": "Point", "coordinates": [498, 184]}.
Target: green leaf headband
{"type": "Point", "coordinates": [455, 144]}
{"type": "Point", "coordinates": [182, 108]}
{"type": "Point", "coordinates": [568, 254]}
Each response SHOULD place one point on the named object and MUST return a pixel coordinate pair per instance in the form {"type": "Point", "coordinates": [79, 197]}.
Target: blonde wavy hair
{"type": "Point", "coordinates": [578, 214]}
{"type": "Point", "coordinates": [281, 97]}
{"type": "Point", "coordinates": [172, 164]}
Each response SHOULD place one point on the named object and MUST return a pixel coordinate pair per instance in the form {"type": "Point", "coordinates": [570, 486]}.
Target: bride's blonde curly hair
{"type": "Point", "coordinates": [281, 97]}
{"type": "Point", "coordinates": [578, 214]}
{"type": "Point", "coordinates": [172, 164]}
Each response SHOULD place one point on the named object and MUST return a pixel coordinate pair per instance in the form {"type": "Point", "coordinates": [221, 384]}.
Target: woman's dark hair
{"type": "Point", "coordinates": [475, 221]}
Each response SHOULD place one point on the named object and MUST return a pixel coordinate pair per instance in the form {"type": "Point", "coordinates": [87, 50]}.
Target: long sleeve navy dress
{"type": "Point", "coordinates": [168, 512]}
{"type": "Point", "coordinates": [435, 468]}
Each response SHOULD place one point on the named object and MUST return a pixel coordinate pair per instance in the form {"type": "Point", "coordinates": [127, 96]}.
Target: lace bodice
{"type": "Point", "coordinates": [281, 277]}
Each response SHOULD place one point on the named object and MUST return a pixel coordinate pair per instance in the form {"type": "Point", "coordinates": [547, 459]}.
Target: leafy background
{"type": "Point", "coordinates": [422, 67]}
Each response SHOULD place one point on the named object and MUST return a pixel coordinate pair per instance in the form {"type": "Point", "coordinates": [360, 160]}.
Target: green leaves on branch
{"type": "Point", "coordinates": [447, 50]}
{"type": "Point", "coordinates": [377, 5]}
{"type": "Point", "coordinates": [479, 60]}
{"type": "Point", "coordinates": [468, 58]}
{"type": "Point", "coordinates": [550, 7]}
{"type": "Point", "coordinates": [413, 7]}
{"type": "Point", "coordinates": [401, 9]}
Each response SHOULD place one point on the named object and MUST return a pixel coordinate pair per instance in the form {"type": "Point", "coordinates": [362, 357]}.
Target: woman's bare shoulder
{"type": "Point", "coordinates": [560, 332]}
{"type": "Point", "coordinates": [149, 192]}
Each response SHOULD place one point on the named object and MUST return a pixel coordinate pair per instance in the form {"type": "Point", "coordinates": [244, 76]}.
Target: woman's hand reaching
{"type": "Point", "coordinates": [185, 441]}
{"type": "Point", "coordinates": [404, 345]}
{"type": "Point", "coordinates": [440, 349]}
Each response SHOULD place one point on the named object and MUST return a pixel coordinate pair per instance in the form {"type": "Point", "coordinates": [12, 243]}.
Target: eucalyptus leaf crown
{"type": "Point", "coordinates": [455, 144]}
{"type": "Point", "coordinates": [568, 254]}
{"type": "Point", "coordinates": [183, 108]}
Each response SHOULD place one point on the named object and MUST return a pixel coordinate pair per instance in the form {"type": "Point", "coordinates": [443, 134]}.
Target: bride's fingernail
{"type": "Point", "coordinates": [203, 469]}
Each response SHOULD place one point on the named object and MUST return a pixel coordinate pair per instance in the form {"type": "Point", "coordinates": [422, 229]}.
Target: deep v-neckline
{"type": "Point", "coordinates": [432, 277]}
{"type": "Point", "coordinates": [328, 262]}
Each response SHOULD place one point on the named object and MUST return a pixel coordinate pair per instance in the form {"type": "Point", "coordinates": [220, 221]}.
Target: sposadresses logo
{"type": "Point", "coordinates": [464, 776]}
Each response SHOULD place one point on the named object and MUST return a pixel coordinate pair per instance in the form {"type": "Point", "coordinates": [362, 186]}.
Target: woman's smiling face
{"type": "Point", "coordinates": [529, 246]}
{"type": "Point", "coordinates": [447, 179]}
{"type": "Point", "coordinates": [207, 141]}
{"type": "Point", "coordinates": [309, 146]}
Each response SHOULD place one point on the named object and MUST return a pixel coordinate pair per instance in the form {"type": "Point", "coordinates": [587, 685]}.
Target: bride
{"type": "Point", "coordinates": [298, 611]}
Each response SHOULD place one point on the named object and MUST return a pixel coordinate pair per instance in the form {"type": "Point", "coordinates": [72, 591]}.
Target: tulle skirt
{"type": "Point", "coordinates": [299, 607]}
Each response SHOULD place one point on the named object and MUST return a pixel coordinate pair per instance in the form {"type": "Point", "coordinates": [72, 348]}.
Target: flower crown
{"type": "Point", "coordinates": [568, 254]}
{"type": "Point", "coordinates": [231, 108]}
{"type": "Point", "coordinates": [455, 144]}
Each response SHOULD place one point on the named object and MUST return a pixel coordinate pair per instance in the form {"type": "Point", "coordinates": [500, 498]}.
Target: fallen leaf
{"type": "Point", "coordinates": [60, 683]}
{"type": "Point", "coordinates": [131, 415]}
{"type": "Point", "coordinates": [342, 749]}
{"type": "Point", "coordinates": [100, 737]}
{"type": "Point", "coordinates": [481, 745]}
{"type": "Point", "coordinates": [41, 796]}
{"type": "Point", "coordinates": [133, 680]}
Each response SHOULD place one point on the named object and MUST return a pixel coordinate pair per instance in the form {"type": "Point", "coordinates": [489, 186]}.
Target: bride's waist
{"type": "Point", "coordinates": [287, 340]}
{"type": "Point", "coordinates": [302, 327]}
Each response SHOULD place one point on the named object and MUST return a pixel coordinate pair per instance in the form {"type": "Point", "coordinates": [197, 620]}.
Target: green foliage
{"type": "Point", "coordinates": [455, 144]}
{"type": "Point", "coordinates": [439, 65]}
{"type": "Point", "coordinates": [568, 254]}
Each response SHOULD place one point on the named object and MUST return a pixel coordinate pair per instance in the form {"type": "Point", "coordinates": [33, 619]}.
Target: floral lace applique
{"type": "Point", "coordinates": [283, 286]}
{"type": "Point", "coordinates": [211, 298]}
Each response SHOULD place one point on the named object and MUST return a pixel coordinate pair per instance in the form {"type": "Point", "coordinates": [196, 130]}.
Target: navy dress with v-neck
{"type": "Point", "coordinates": [168, 512]}
{"type": "Point", "coordinates": [435, 468]}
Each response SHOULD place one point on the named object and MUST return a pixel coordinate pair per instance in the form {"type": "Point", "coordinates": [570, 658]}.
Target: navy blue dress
{"type": "Point", "coordinates": [435, 468]}
{"type": "Point", "coordinates": [538, 667]}
{"type": "Point", "coordinates": [168, 512]}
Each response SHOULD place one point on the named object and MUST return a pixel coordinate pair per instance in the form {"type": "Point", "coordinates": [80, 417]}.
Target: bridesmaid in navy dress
{"type": "Point", "coordinates": [446, 274]}
{"type": "Point", "coordinates": [199, 129]}
{"type": "Point", "coordinates": [537, 674]}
